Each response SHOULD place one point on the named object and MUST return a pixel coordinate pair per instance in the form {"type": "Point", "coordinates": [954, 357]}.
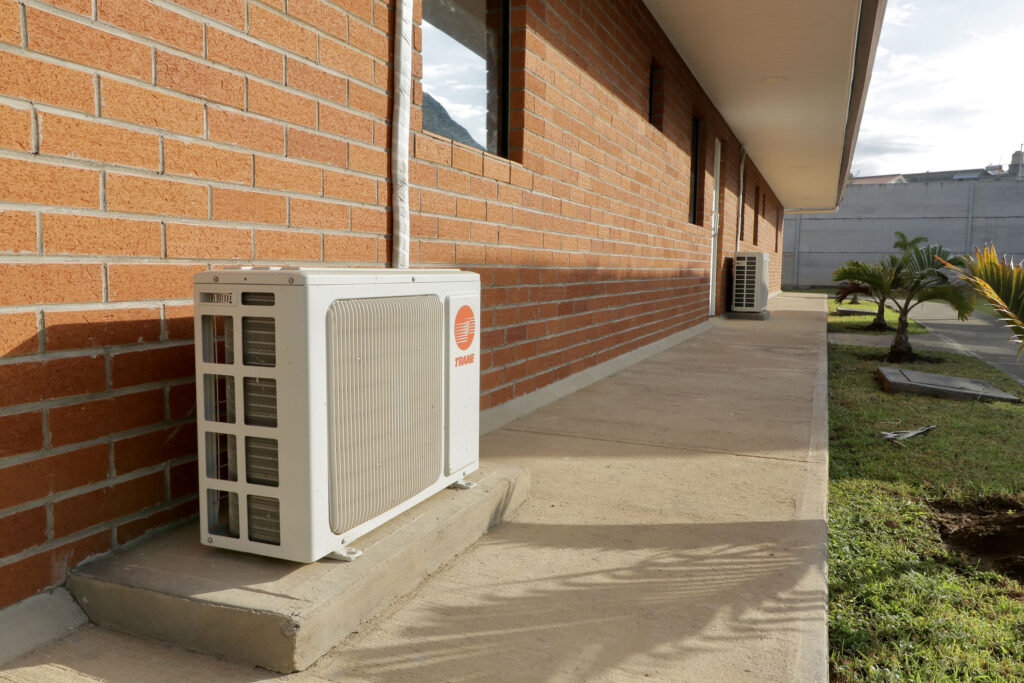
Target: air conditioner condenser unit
{"type": "Point", "coordinates": [330, 400]}
{"type": "Point", "coordinates": [750, 282]}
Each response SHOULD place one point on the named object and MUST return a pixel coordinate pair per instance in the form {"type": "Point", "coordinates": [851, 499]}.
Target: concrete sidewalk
{"type": "Point", "coordinates": [675, 531]}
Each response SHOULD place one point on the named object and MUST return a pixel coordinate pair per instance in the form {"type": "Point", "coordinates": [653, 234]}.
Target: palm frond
{"type": "Point", "coordinates": [1000, 282]}
{"type": "Point", "coordinates": [850, 288]}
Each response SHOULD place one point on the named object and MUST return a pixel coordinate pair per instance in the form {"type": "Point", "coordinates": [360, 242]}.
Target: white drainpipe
{"type": "Point", "coordinates": [400, 128]}
{"type": "Point", "coordinates": [739, 222]}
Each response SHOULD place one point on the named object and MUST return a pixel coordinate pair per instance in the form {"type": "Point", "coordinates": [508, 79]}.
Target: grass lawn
{"type": "Point", "coordinates": [810, 290]}
{"type": "Point", "coordinates": [857, 323]}
{"type": "Point", "coordinates": [902, 605]}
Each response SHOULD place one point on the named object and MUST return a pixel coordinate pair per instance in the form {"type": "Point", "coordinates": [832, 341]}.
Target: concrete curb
{"type": "Point", "coordinates": [812, 654]}
{"type": "Point", "coordinates": [280, 615]}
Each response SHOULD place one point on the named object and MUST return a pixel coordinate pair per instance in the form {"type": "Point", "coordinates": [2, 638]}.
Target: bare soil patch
{"type": "Point", "coordinates": [990, 533]}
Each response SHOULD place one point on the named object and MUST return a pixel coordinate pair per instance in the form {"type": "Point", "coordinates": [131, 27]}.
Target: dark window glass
{"type": "Point", "coordinates": [465, 72]}
{"type": "Point", "coordinates": [778, 225]}
{"type": "Point", "coordinates": [695, 184]}
{"type": "Point", "coordinates": [656, 96]}
{"type": "Point", "coordinates": [757, 212]}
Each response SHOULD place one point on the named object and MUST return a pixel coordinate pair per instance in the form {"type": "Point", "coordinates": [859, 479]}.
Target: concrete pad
{"type": "Point", "coordinates": [37, 620]}
{"type": "Point", "coordinates": [635, 560]}
{"type": "Point", "coordinates": [846, 310]}
{"type": "Point", "coordinates": [282, 615]}
{"type": "Point", "coordinates": [631, 560]}
{"type": "Point", "coordinates": [903, 381]}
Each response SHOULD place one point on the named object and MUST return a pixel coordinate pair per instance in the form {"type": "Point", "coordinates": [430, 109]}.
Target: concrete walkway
{"type": "Point", "coordinates": [983, 336]}
{"type": "Point", "coordinates": [675, 531]}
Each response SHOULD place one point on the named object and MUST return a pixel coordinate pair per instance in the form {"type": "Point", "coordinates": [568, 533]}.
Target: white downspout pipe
{"type": "Point", "coordinates": [739, 220]}
{"type": "Point", "coordinates": [400, 130]}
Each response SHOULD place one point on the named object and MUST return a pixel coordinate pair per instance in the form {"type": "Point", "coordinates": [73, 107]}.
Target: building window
{"type": "Point", "coordinates": [466, 72]}
{"type": "Point", "coordinates": [695, 184]}
{"type": "Point", "coordinates": [656, 96]}
{"type": "Point", "coordinates": [757, 212]}
{"type": "Point", "coordinates": [778, 225]}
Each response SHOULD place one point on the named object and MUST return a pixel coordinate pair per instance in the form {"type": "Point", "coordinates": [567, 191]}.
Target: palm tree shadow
{"type": "Point", "coordinates": [650, 596]}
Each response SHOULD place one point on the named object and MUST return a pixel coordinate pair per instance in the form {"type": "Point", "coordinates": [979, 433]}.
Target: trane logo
{"type": "Point", "coordinates": [465, 328]}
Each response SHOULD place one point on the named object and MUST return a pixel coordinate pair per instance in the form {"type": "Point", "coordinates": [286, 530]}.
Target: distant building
{"type": "Point", "coordinates": [961, 209]}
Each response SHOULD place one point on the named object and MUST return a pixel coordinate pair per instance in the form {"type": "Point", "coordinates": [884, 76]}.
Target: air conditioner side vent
{"type": "Point", "coordinates": [750, 282]}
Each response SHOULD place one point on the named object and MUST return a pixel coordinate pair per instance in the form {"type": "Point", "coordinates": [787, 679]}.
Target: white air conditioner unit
{"type": "Point", "coordinates": [330, 400]}
{"type": "Point", "coordinates": [750, 282]}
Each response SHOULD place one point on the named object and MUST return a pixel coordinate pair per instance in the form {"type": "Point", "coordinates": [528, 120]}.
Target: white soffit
{"type": "Point", "coordinates": [780, 72]}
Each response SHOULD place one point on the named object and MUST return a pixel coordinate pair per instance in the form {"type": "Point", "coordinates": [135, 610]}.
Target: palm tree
{"type": "Point", "coordinates": [874, 281]}
{"type": "Point", "coordinates": [922, 279]}
{"type": "Point", "coordinates": [1001, 282]}
{"type": "Point", "coordinates": [906, 244]}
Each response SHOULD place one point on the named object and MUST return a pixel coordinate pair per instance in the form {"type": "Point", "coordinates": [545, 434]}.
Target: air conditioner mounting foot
{"type": "Point", "coordinates": [463, 485]}
{"type": "Point", "coordinates": [346, 554]}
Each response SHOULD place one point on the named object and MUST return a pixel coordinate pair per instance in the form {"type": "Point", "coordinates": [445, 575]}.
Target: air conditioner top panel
{"type": "Point", "coordinates": [330, 276]}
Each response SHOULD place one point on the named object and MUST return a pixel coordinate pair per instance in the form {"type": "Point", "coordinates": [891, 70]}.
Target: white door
{"type": "Point", "coordinates": [716, 222]}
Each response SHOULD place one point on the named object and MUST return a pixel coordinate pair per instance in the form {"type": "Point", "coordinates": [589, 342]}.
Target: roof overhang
{"type": "Point", "coordinates": [789, 76]}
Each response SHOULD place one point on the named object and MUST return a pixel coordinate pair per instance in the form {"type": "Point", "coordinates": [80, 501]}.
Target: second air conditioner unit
{"type": "Point", "coordinates": [330, 400]}
{"type": "Point", "coordinates": [750, 282]}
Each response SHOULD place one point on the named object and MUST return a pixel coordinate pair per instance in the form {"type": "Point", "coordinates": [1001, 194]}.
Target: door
{"type": "Point", "coordinates": [716, 222]}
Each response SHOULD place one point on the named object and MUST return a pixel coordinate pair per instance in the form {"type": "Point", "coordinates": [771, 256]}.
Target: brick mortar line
{"type": "Point", "coordinates": [669, 261]}
{"type": "Point", "coordinates": [61, 496]}
{"type": "Point", "coordinates": [93, 530]}
{"type": "Point", "coordinates": [105, 394]}
{"type": "Point", "coordinates": [92, 352]}
{"type": "Point", "coordinates": [135, 171]}
{"type": "Point", "coordinates": [47, 452]}
{"type": "Point", "coordinates": [680, 318]}
{"type": "Point", "coordinates": [651, 337]}
{"type": "Point", "coordinates": [94, 306]}
{"type": "Point", "coordinates": [154, 44]}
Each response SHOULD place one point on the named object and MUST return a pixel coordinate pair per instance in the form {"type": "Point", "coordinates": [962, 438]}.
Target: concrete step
{"type": "Point", "coordinates": [282, 615]}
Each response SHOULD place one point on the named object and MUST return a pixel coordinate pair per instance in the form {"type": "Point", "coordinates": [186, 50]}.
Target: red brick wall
{"type": "Point", "coordinates": [141, 142]}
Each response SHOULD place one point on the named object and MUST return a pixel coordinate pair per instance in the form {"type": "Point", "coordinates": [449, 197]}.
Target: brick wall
{"type": "Point", "coordinates": [143, 141]}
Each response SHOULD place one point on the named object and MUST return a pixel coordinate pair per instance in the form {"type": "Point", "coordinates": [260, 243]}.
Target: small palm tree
{"type": "Point", "coordinates": [923, 279]}
{"type": "Point", "coordinates": [874, 281]}
{"type": "Point", "coordinates": [907, 244]}
{"type": "Point", "coordinates": [1000, 281]}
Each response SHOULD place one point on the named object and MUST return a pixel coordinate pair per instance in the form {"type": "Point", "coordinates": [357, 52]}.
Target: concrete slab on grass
{"type": "Point", "coordinates": [845, 310]}
{"type": "Point", "coordinates": [282, 615]}
{"type": "Point", "coordinates": [899, 380]}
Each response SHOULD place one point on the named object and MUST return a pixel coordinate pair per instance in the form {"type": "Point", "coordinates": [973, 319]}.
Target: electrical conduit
{"type": "Point", "coordinates": [400, 130]}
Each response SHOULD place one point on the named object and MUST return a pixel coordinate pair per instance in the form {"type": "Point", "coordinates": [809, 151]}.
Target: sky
{"type": "Point", "coordinates": [947, 90]}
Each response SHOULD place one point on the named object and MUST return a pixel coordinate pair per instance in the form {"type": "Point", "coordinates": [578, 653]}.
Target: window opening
{"type": "Point", "coordinates": [757, 212]}
{"type": "Point", "coordinates": [695, 184]}
{"type": "Point", "coordinates": [656, 96]}
{"type": "Point", "coordinates": [466, 47]}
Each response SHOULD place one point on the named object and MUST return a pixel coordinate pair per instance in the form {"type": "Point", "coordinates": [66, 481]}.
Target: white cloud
{"type": "Point", "coordinates": [943, 93]}
{"type": "Point", "coordinates": [900, 14]}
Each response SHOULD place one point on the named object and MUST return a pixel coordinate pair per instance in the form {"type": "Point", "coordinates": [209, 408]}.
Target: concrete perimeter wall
{"type": "Point", "coordinates": [143, 141]}
{"type": "Point", "coordinates": [960, 215]}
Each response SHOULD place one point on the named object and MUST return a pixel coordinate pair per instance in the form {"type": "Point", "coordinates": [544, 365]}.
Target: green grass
{"type": "Point", "coordinates": [902, 607]}
{"type": "Point", "coordinates": [857, 323]}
